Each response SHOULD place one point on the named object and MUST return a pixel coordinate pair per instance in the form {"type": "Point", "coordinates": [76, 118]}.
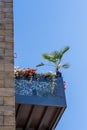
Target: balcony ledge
{"type": "Point", "coordinates": [38, 105]}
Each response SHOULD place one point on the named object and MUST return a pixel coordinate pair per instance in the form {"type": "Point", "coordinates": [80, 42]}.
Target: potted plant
{"type": "Point", "coordinates": [56, 58]}
{"type": "Point", "coordinates": [44, 83]}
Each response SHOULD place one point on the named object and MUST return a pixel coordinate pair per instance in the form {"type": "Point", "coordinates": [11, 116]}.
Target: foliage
{"type": "Point", "coordinates": [56, 58]}
{"type": "Point", "coordinates": [24, 73]}
{"type": "Point", "coordinates": [30, 73]}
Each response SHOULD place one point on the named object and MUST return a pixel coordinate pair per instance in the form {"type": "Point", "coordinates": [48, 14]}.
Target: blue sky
{"type": "Point", "coordinates": [48, 25]}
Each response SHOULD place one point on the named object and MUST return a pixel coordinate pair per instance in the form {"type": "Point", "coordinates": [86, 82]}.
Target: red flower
{"type": "Point", "coordinates": [26, 73]}
{"type": "Point", "coordinates": [32, 70]}
{"type": "Point", "coordinates": [18, 73]}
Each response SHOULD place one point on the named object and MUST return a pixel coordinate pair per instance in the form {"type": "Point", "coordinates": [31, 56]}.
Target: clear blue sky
{"type": "Point", "coordinates": [47, 25]}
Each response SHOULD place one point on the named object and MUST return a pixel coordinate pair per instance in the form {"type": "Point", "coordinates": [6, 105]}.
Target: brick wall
{"type": "Point", "coordinates": [7, 102]}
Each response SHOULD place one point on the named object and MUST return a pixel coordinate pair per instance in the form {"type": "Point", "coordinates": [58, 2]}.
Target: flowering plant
{"type": "Point", "coordinates": [30, 72]}
{"type": "Point", "coordinates": [24, 73]}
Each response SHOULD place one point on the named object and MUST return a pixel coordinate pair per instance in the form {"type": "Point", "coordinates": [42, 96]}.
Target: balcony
{"type": "Point", "coordinates": [40, 102]}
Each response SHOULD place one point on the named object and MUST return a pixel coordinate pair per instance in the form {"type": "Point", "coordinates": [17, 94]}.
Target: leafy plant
{"type": "Point", "coordinates": [24, 73]}
{"type": "Point", "coordinates": [56, 58]}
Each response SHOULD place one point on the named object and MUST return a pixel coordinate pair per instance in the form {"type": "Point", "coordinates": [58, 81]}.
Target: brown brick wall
{"type": "Point", "coordinates": [7, 99]}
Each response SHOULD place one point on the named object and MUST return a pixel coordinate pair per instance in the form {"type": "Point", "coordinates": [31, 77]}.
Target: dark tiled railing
{"type": "Point", "coordinates": [42, 89]}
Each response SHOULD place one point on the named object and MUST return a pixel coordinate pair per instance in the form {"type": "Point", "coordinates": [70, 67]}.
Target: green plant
{"type": "Point", "coordinates": [56, 58]}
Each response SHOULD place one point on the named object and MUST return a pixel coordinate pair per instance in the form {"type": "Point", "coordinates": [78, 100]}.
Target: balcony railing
{"type": "Point", "coordinates": [41, 91]}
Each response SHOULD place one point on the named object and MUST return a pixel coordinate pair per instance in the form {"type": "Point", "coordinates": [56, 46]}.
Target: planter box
{"type": "Point", "coordinates": [43, 91]}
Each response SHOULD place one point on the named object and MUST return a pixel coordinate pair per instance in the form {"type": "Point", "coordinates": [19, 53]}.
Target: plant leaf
{"type": "Point", "coordinates": [56, 54]}
{"type": "Point", "coordinates": [65, 49]}
{"type": "Point", "coordinates": [65, 66]}
{"type": "Point", "coordinates": [41, 64]}
{"type": "Point", "coordinates": [49, 57]}
{"type": "Point", "coordinates": [46, 56]}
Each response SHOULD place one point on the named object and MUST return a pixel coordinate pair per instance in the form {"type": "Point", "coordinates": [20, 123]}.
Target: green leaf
{"type": "Point", "coordinates": [41, 64]}
{"type": "Point", "coordinates": [49, 57]}
{"type": "Point", "coordinates": [56, 54]}
{"type": "Point", "coordinates": [46, 56]}
{"type": "Point", "coordinates": [65, 66]}
{"type": "Point", "coordinates": [65, 49]}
